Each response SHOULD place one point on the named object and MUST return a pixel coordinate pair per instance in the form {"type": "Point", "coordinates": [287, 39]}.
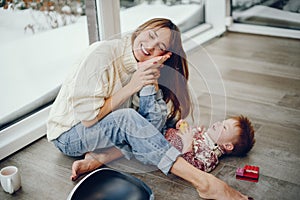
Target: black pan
{"type": "Point", "coordinates": [109, 184]}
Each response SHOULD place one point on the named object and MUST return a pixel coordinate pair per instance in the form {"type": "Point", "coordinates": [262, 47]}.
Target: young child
{"type": "Point", "coordinates": [233, 136]}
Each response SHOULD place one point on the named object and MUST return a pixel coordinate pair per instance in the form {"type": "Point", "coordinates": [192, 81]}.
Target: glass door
{"type": "Point", "coordinates": [271, 17]}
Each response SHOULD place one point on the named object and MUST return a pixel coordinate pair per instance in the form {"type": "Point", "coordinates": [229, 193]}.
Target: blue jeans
{"type": "Point", "coordinates": [134, 133]}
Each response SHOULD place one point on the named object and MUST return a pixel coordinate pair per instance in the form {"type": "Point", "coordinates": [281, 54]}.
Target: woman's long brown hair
{"type": "Point", "coordinates": [174, 74]}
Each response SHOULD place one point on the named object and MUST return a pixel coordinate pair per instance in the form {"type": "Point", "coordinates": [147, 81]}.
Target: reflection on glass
{"type": "Point", "coordinates": [275, 13]}
{"type": "Point", "coordinates": [186, 14]}
{"type": "Point", "coordinates": [39, 42]}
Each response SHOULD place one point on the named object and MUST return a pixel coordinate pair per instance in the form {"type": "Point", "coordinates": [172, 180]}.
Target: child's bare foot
{"type": "Point", "coordinates": [88, 164]}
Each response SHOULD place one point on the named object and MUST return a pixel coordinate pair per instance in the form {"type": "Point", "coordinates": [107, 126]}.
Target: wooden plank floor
{"type": "Point", "coordinates": [261, 79]}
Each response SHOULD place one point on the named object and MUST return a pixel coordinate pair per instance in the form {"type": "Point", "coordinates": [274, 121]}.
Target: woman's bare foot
{"type": "Point", "coordinates": [88, 164]}
{"type": "Point", "coordinates": [217, 189]}
{"type": "Point", "coordinates": [93, 161]}
{"type": "Point", "coordinates": [207, 185]}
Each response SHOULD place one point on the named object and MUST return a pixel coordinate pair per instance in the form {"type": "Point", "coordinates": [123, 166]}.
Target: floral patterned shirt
{"type": "Point", "coordinates": [204, 154]}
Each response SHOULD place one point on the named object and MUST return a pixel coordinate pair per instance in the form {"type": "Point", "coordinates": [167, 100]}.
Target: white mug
{"type": "Point", "coordinates": [10, 179]}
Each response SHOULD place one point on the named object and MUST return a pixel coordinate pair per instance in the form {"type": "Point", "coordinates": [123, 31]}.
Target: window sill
{"type": "Point", "coordinates": [22, 133]}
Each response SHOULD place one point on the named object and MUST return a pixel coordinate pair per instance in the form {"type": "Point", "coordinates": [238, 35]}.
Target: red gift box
{"type": "Point", "coordinates": [248, 173]}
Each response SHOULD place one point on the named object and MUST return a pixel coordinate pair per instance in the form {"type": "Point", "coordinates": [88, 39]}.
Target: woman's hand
{"type": "Point", "coordinates": [155, 61]}
{"type": "Point", "coordinates": [148, 72]}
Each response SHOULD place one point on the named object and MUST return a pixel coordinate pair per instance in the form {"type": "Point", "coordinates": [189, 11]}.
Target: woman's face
{"type": "Point", "coordinates": [151, 43]}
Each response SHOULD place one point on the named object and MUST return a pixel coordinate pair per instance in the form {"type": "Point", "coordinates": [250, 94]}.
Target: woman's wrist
{"type": "Point", "coordinates": [130, 89]}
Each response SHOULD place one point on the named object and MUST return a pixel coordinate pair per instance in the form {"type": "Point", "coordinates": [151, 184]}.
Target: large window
{"type": "Point", "coordinates": [39, 42]}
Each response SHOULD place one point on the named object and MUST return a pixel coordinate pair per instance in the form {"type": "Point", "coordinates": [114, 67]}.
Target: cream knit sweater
{"type": "Point", "coordinates": [106, 67]}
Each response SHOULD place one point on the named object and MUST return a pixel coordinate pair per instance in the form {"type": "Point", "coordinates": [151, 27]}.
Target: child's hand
{"type": "Point", "coordinates": [186, 135]}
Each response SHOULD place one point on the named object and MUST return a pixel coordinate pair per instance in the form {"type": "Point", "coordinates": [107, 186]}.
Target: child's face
{"type": "Point", "coordinates": [225, 132]}
{"type": "Point", "coordinates": [151, 43]}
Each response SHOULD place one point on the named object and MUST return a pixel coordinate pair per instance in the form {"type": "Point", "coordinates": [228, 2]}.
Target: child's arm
{"type": "Point", "coordinates": [187, 140]}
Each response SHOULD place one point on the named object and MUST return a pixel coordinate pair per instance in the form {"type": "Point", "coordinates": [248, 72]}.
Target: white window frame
{"type": "Point", "coordinates": [256, 29]}
{"type": "Point", "coordinates": [109, 18]}
{"type": "Point", "coordinates": [214, 25]}
{"type": "Point", "coordinates": [33, 127]}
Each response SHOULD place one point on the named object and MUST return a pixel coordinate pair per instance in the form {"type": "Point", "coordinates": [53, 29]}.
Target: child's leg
{"type": "Point", "coordinates": [152, 106]}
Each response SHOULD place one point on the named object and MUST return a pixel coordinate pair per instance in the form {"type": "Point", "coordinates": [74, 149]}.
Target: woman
{"type": "Point", "coordinates": [92, 110]}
